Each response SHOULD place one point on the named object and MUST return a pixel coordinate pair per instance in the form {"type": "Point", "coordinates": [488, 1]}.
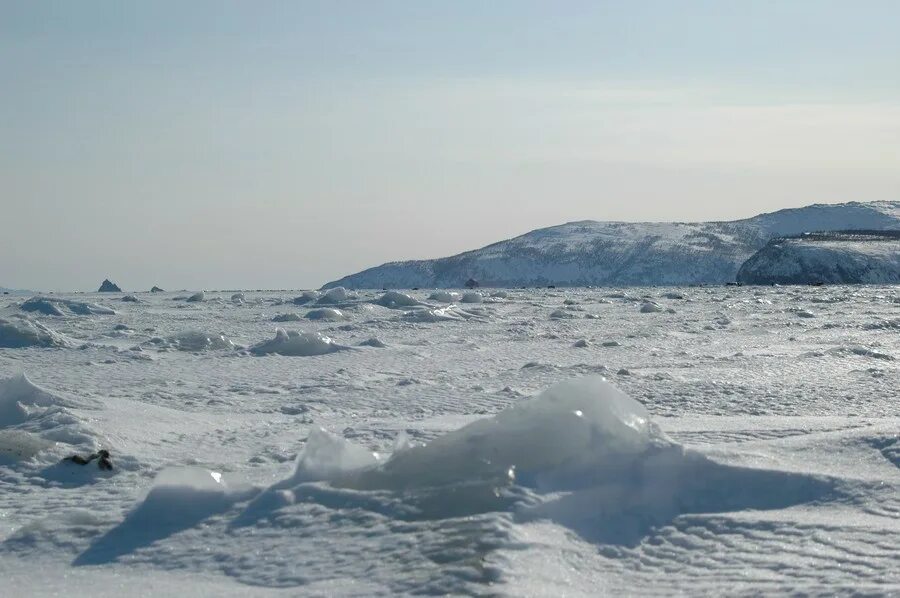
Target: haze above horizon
{"type": "Point", "coordinates": [278, 145]}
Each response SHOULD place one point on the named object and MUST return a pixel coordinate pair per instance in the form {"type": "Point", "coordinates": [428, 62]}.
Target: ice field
{"type": "Point", "coordinates": [564, 442]}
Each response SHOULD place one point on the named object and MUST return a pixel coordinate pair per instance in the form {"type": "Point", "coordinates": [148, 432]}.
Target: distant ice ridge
{"type": "Point", "coordinates": [624, 253]}
{"type": "Point", "coordinates": [54, 306]}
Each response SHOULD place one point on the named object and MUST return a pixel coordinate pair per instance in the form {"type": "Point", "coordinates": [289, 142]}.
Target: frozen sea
{"type": "Point", "coordinates": [746, 440]}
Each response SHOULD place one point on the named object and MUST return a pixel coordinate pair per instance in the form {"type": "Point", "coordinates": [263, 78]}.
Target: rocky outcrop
{"type": "Point", "coordinates": [871, 257]}
{"type": "Point", "coordinates": [109, 287]}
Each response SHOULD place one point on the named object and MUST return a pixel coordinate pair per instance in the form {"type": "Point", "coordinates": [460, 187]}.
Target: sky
{"type": "Point", "coordinates": [210, 145]}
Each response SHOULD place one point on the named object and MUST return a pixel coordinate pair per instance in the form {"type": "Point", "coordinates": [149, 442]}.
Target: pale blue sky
{"type": "Point", "coordinates": [285, 144]}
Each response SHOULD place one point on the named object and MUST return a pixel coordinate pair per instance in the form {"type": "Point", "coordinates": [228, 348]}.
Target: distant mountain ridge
{"type": "Point", "coordinates": [625, 253]}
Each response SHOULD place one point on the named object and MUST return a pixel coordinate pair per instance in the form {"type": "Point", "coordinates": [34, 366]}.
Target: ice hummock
{"type": "Point", "coordinates": [326, 313]}
{"type": "Point", "coordinates": [197, 340]}
{"type": "Point", "coordinates": [293, 343]}
{"type": "Point", "coordinates": [576, 426]}
{"type": "Point", "coordinates": [396, 300]}
{"type": "Point", "coordinates": [445, 296]}
{"type": "Point", "coordinates": [54, 306]}
{"type": "Point", "coordinates": [18, 332]}
{"type": "Point", "coordinates": [333, 296]}
{"type": "Point", "coordinates": [327, 456]}
{"type": "Point", "coordinates": [33, 419]}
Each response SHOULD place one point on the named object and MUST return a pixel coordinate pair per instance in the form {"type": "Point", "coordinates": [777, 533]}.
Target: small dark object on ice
{"type": "Point", "coordinates": [102, 455]}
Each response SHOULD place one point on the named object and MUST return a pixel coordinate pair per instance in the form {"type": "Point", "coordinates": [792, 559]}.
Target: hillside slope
{"type": "Point", "coordinates": [834, 258]}
{"type": "Point", "coordinates": [625, 253]}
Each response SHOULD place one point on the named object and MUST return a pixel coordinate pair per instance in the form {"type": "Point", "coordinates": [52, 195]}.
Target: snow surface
{"type": "Point", "coordinates": [472, 450]}
{"type": "Point", "coordinates": [625, 253]}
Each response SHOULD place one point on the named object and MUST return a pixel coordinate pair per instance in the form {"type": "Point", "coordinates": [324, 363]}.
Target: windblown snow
{"type": "Point", "coordinates": [579, 442]}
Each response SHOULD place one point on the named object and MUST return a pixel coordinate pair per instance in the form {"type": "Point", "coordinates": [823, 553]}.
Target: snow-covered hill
{"type": "Point", "coordinates": [834, 258]}
{"type": "Point", "coordinates": [625, 253]}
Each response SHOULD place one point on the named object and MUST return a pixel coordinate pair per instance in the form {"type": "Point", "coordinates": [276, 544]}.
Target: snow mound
{"type": "Point", "coordinates": [306, 297]}
{"type": "Point", "coordinates": [196, 297]}
{"type": "Point", "coordinates": [18, 445]}
{"type": "Point", "coordinates": [300, 344]}
{"type": "Point", "coordinates": [649, 307]}
{"type": "Point", "coordinates": [327, 456]}
{"type": "Point", "coordinates": [561, 314]}
{"type": "Point", "coordinates": [198, 340]}
{"type": "Point", "coordinates": [18, 332]}
{"type": "Point", "coordinates": [53, 306]}
{"type": "Point", "coordinates": [395, 300]}
{"type": "Point", "coordinates": [333, 296]}
{"type": "Point", "coordinates": [189, 480]}
{"type": "Point", "coordinates": [860, 351]}
{"type": "Point", "coordinates": [180, 498]}
{"type": "Point", "coordinates": [326, 313]}
{"type": "Point", "coordinates": [287, 318]}
{"type": "Point", "coordinates": [32, 419]}
{"type": "Point", "coordinates": [237, 298]}
{"type": "Point", "coordinates": [444, 296]}
{"type": "Point", "coordinates": [584, 424]}
{"type": "Point", "coordinates": [373, 342]}
{"type": "Point", "coordinates": [472, 297]}
{"type": "Point", "coordinates": [443, 314]}
{"type": "Point", "coordinates": [130, 299]}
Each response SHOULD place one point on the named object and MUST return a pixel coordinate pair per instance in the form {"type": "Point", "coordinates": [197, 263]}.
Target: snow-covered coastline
{"type": "Point", "coordinates": [625, 253]}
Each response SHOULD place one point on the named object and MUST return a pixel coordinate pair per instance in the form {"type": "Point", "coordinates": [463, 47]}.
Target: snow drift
{"type": "Point", "coordinates": [197, 340]}
{"type": "Point", "coordinates": [395, 300]}
{"type": "Point", "coordinates": [19, 332]}
{"type": "Point", "coordinates": [582, 454]}
{"type": "Point", "coordinates": [293, 343]}
{"type": "Point", "coordinates": [53, 306]}
{"type": "Point", "coordinates": [577, 426]}
{"type": "Point", "coordinates": [33, 419]}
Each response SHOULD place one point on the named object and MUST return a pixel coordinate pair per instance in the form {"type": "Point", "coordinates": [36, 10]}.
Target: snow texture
{"type": "Point", "coordinates": [737, 447]}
